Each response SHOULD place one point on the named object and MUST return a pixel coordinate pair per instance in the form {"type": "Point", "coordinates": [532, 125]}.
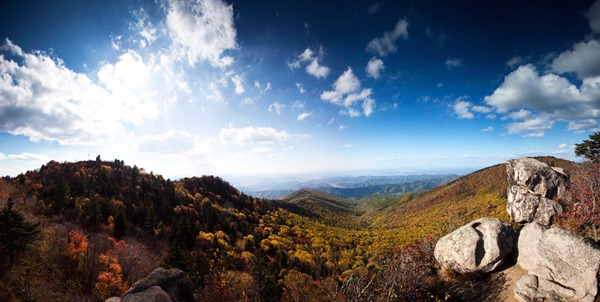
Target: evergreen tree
{"type": "Point", "coordinates": [120, 228]}
{"type": "Point", "coordinates": [589, 149]}
{"type": "Point", "coordinates": [16, 234]}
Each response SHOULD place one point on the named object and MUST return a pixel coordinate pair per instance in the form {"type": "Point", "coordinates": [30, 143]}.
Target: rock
{"type": "Point", "coordinates": [113, 299]}
{"type": "Point", "coordinates": [151, 294]}
{"type": "Point", "coordinates": [479, 246]}
{"type": "Point", "coordinates": [174, 282]}
{"type": "Point", "coordinates": [527, 244]}
{"type": "Point", "coordinates": [565, 265]}
{"type": "Point", "coordinates": [534, 190]}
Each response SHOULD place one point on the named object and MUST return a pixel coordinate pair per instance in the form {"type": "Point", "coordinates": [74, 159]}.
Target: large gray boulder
{"type": "Point", "coordinates": [534, 189]}
{"type": "Point", "coordinates": [562, 266]}
{"type": "Point", "coordinates": [174, 282]}
{"type": "Point", "coordinates": [151, 294]}
{"type": "Point", "coordinates": [479, 246]}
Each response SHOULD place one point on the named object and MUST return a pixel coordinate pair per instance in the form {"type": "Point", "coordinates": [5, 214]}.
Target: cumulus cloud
{"type": "Point", "coordinates": [347, 92]}
{"type": "Point", "coordinates": [583, 60]}
{"type": "Point", "coordinates": [488, 129]}
{"type": "Point", "coordinates": [256, 135]}
{"type": "Point", "coordinates": [550, 94]}
{"type": "Point", "coordinates": [202, 30]}
{"type": "Point", "coordinates": [535, 125]}
{"type": "Point", "coordinates": [44, 100]}
{"type": "Point", "coordinates": [313, 68]}
{"type": "Point", "coordinates": [374, 68]}
{"type": "Point", "coordinates": [580, 125]}
{"type": "Point", "coordinates": [303, 116]}
{"type": "Point", "coordinates": [276, 107]}
{"type": "Point", "coordinates": [593, 15]}
{"type": "Point", "coordinates": [462, 109]}
{"type": "Point", "coordinates": [382, 46]}
{"type": "Point", "coordinates": [260, 149]}
{"type": "Point", "coordinates": [453, 63]}
{"type": "Point", "coordinates": [519, 114]}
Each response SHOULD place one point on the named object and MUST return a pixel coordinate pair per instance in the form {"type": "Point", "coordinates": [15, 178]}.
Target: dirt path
{"type": "Point", "coordinates": [511, 275]}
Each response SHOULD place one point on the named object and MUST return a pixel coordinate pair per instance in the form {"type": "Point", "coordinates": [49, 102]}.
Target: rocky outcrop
{"type": "Point", "coordinates": [162, 285]}
{"type": "Point", "coordinates": [534, 190]}
{"type": "Point", "coordinates": [151, 294]}
{"type": "Point", "coordinates": [562, 266]}
{"type": "Point", "coordinates": [479, 246]}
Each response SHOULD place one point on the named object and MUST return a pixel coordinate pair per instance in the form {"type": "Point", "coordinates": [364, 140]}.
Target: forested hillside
{"type": "Point", "coordinates": [103, 225]}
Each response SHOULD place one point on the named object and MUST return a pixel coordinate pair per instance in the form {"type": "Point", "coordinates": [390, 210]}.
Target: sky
{"type": "Point", "coordinates": [223, 87]}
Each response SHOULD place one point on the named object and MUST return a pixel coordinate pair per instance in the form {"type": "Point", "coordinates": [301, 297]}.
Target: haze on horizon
{"type": "Point", "coordinates": [196, 87]}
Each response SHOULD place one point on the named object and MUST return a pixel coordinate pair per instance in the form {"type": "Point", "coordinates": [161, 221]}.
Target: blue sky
{"type": "Point", "coordinates": [198, 87]}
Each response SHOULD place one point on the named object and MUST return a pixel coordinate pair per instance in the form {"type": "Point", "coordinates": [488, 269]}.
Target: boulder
{"type": "Point", "coordinates": [174, 282]}
{"type": "Point", "coordinates": [562, 266]}
{"type": "Point", "coordinates": [151, 294]}
{"type": "Point", "coordinates": [113, 299]}
{"type": "Point", "coordinates": [479, 246]}
{"type": "Point", "coordinates": [534, 189]}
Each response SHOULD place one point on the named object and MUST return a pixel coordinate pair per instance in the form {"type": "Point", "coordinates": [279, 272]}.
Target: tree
{"type": "Point", "coordinates": [16, 234]}
{"type": "Point", "coordinates": [120, 227]}
{"type": "Point", "coordinates": [589, 149]}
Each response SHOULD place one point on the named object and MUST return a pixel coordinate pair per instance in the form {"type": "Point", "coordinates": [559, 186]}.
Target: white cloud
{"type": "Point", "coordinates": [374, 68]}
{"type": "Point", "coordinates": [368, 106]}
{"type": "Point", "coordinates": [514, 62]}
{"type": "Point", "coordinates": [563, 145]}
{"type": "Point", "coordinates": [439, 85]}
{"type": "Point", "coordinates": [238, 83]}
{"type": "Point", "coordinates": [462, 109]}
{"type": "Point", "coordinates": [247, 101]}
{"type": "Point", "coordinates": [317, 70]}
{"type": "Point", "coordinates": [348, 145]}
{"type": "Point", "coordinates": [214, 94]}
{"type": "Point", "coordinates": [342, 127]}
{"type": "Point", "coordinates": [171, 142]}
{"type": "Point", "coordinates": [347, 82]}
{"type": "Point", "coordinates": [314, 68]}
{"type": "Point", "coordinates": [535, 134]}
{"type": "Point", "coordinates": [303, 116]}
{"type": "Point", "coordinates": [44, 100]}
{"type": "Point", "coordinates": [537, 125]}
{"type": "Point", "coordinates": [298, 105]}
{"type": "Point", "coordinates": [387, 44]}
{"type": "Point", "coordinates": [481, 109]}
{"type": "Point", "coordinates": [453, 63]}
{"type": "Point", "coordinates": [201, 30]}
{"type": "Point", "coordinates": [25, 157]}
{"type": "Point", "coordinates": [145, 32]}
{"type": "Point", "coordinates": [582, 124]}
{"type": "Point", "coordinates": [300, 88]}
{"type": "Point", "coordinates": [276, 107]}
{"type": "Point", "coordinates": [593, 15]}
{"type": "Point", "coordinates": [521, 114]}
{"type": "Point", "coordinates": [346, 94]}
{"type": "Point", "coordinates": [488, 129]}
{"type": "Point", "coordinates": [584, 60]}
{"type": "Point", "coordinates": [256, 135]}
{"type": "Point", "coordinates": [550, 94]}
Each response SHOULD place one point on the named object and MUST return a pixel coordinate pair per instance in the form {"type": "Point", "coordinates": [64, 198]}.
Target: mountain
{"type": "Point", "coordinates": [104, 225]}
{"type": "Point", "coordinates": [479, 194]}
{"type": "Point", "coordinates": [359, 187]}
{"type": "Point", "coordinates": [322, 207]}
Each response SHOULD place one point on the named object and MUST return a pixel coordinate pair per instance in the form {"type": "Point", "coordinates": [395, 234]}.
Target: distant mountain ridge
{"type": "Point", "coordinates": [322, 207]}
{"type": "Point", "coordinates": [364, 186]}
